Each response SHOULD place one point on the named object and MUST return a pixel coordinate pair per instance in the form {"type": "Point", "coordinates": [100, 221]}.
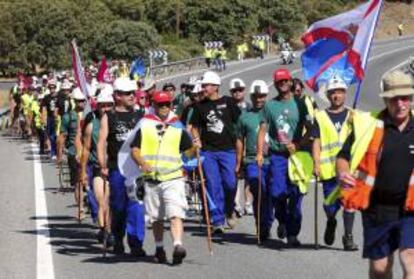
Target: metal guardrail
{"type": "Point", "coordinates": [163, 70]}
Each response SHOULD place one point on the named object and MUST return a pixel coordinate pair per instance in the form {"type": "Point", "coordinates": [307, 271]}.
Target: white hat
{"type": "Point", "coordinates": [125, 84]}
{"type": "Point", "coordinates": [210, 77]}
{"type": "Point", "coordinates": [106, 95]}
{"type": "Point", "coordinates": [237, 83]}
{"type": "Point", "coordinates": [197, 87]}
{"type": "Point", "coordinates": [44, 77]}
{"type": "Point", "coordinates": [51, 82]}
{"type": "Point", "coordinates": [66, 84]}
{"type": "Point", "coordinates": [148, 84]}
{"type": "Point", "coordinates": [77, 94]}
{"type": "Point", "coordinates": [259, 86]}
{"type": "Point", "coordinates": [336, 82]}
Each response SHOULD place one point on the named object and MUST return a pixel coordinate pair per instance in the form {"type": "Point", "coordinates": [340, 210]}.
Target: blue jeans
{"type": "Point", "coordinates": [287, 199]}
{"type": "Point", "coordinates": [90, 194]}
{"type": "Point", "coordinates": [51, 133]}
{"type": "Point", "coordinates": [266, 213]}
{"type": "Point", "coordinates": [126, 214]}
{"type": "Point", "coordinates": [219, 171]}
{"type": "Point", "coordinates": [328, 187]}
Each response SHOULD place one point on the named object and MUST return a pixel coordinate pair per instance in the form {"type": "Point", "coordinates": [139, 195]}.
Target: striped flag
{"type": "Point", "coordinates": [78, 69]}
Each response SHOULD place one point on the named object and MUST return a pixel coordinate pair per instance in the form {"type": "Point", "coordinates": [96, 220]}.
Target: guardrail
{"type": "Point", "coordinates": [163, 70]}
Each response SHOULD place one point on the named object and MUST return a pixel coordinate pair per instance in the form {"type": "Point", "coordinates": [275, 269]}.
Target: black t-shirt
{"type": "Point", "coordinates": [63, 103]}
{"type": "Point", "coordinates": [185, 141]}
{"type": "Point", "coordinates": [216, 121]}
{"type": "Point", "coordinates": [337, 119]}
{"type": "Point", "coordinates": [395, 165]}
{"type": "Point", "coordinates": [50, 102]}
{"type": "Point", "coordinates": [119, 126]}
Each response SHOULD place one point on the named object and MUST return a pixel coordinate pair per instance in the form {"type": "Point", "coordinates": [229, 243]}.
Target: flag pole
{"type": "Point", "coordinates": [357, 94]}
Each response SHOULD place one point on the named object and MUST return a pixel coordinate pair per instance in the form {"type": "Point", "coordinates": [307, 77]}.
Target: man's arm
{"type": "Point", "coordinates": [260, 141]}
{"type": "Point", "coordinates": [343, 170]}
{"type": "Point", "coordinates": [239, 154]}
{"type": "Point", "coordinates": [101, 145]}
{"type": "Point", "coordinates": [136, 156]}
{"type": "Point", "coordinates": [316, 155]}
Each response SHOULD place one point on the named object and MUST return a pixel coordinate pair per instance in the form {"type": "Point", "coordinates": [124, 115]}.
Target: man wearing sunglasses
{"type": "Point", "coordinates": [284, 118]}
{"type": "Point", "coordinates": [114, 130]}
{"type": "Point", "coordinates": [214, 121]}
{"type": "Point", "coordinates": [157, 149]}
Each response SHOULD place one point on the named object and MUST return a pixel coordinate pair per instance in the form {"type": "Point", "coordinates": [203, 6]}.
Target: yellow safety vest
{"type": "Point", "coordinates": [223, 54]}
{"type": "Point", "coordinates": [331, 143]}
{"type": "Point", "coordinates": [300, 170]}
{"type": "Point", "coordinates": [208, 53]}
{"type": "Point", "coordinates": [162, 153]}
{"type": "Point", "coordinates": [309, 105]}
{"type": "Point", "coordinates": [261, 44]}
{"type": "Point", "coordinates": [27, 102]}
{"type": "Point", "coordinates": [35, 108]}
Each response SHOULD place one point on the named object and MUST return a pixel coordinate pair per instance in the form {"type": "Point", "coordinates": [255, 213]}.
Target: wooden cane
{"type": "Point", "coordinates": [206, 209]}
{"type": "Point", "coordinates": [105, 239]}
{"type": "Point", "coordinates": [259, 203]}
{"type": "Point", "coordinates": [316, 214]}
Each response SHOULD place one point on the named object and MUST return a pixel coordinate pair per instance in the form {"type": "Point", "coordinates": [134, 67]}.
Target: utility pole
{"type": "Point", "coordinates": [177, 18]}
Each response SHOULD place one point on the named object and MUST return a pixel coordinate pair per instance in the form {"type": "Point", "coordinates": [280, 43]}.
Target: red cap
{"type": "Point", "coordinates": [281, 74]}
{"type": "Point", "coordinates": [161, 97]}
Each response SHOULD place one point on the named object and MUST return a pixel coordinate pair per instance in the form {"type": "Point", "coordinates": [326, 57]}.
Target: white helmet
{"type": "Point", "coordinates": [148, 84]}
{"type": "Point", "coordinates": [237, 83]}
{"type": "Point", "coordinates": [77, 94]}
{"type": "Point", "coordinates": [124, 84]}
{"type": "Point", "coordinates": [210, 77]}
{"type": "Point", "coordinates": [259, 86]}
{"type": "Point", "coordinates": [336, 82]}
{"type": "Point", "coordinates": [66, 85]}
{"type": "Point", "coordinates": [197, 87]}
{"type": "Point", "coordinates": [192, 80]}
{"type": "Point", "coordinates": [106, 95]}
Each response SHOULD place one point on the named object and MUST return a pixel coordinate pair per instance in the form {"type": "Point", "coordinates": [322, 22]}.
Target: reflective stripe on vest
{"type": "Point", "coordinates": [162, 153]}
{"type": "Point", "coordinates": [331, 143]}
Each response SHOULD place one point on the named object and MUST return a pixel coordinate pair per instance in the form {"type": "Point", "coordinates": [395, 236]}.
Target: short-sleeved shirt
{"type": "Point", "coordinates": [337, 119]}
{"type": "Point", "coordinates": [187, 114]}
{"type": "Point", "coordinates": [395, 165]}
{"type": "Point", "coordinates": [63, 103]}
{"type": "Point", "coordinates": [178, 103]}
{"type": "Point", "coordinates": [69, 127]}
{"type": "Point", "coordinates": [50, 102]}
{"type": "Point", "coordinates": [247, 128]}
{"type": "Point", "coordinates": [216, 120]}
{"type": "Point", "coordinates": [287, 117]}
{"type": "Point", "coordinates": [185, 141]}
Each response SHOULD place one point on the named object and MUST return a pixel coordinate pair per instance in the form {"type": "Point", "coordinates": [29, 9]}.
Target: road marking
{"type": "Point", "coordinates": [44, 260]}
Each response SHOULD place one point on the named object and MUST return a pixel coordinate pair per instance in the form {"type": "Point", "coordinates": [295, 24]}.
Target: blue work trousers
{"type": "Point", "coordinates": [126, 214]}
{"type": "Point", "coordinates": [266, 212]}
{"type": "Point", "coordinates": [51, 134]}
{"type": "Point", "coordinates": [287, 199]}
{"type": "Point", "coordinates": [219, 171]}
{"type": "Point", "coordinates": [328, 186]}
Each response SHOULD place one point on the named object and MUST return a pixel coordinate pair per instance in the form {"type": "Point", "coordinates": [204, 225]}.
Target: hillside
{"type": "Point", "coordinates": [392, 15]}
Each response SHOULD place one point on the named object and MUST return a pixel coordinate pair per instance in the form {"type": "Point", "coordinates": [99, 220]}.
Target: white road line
{"type": "Point", "coordinates": [44, 260]}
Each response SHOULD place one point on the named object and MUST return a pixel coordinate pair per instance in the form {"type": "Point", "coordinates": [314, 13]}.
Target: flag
{"type": "Point", "coordinates": [340, 45]}
{"type": "Point", "coordinates": [78, 69]}
{"type": "Point", "coordinates": [137, 69]}
{"type": "Point", "coordinates": [102, 71]}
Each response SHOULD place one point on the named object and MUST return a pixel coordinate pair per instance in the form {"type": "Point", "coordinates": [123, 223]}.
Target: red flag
{"type": "Point", "coordinates": [103, 68]}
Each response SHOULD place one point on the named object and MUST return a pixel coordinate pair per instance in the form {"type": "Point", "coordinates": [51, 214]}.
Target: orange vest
{"type": "Point", "coordinates": [358, 197]}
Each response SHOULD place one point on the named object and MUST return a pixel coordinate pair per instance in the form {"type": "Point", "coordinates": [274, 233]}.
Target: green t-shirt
{"type": "Point", "coordinates": [247, 128]}
{"type": "Point", "coordinates": [178, 103]}
{"type": "Point", "coordinates": [287, 117]}
{"type": "Point", "coordinates": [69, 127]}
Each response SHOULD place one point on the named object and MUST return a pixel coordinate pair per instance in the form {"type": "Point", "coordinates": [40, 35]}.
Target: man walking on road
{"type": "Point", "coordinates": [284, 118]}
{"type": "Point", "coordinates": [331, 128]}
{"type": "Point", "coordinates": [157, 149]}
{"type": "Point", "coordinates": [213, 122]}
{"type": "Point", "coordinates": [114, 130]}
{"type": "Point", "coordinates": [382, 186]}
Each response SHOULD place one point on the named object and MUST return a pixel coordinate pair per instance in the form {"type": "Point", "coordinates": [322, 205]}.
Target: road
{"type": "Point", "coordinates": [41, 239]}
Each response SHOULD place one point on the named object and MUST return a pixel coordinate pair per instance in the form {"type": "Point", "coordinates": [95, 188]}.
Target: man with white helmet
{"type": "Point", "coordinates": [213, 122]}
{"type": "Point", "coordinates": [67, 139]}
{"type": "Point", "coordinates": [90, 171]}
{"type": "Point", "coordinates": [237, 91]}
{"type": "Point", "coordinates": [331, 128]}
{"type": "Point", "coordinates": [247, 130]}
{"type": "Point", "coordinates": [115, 127]}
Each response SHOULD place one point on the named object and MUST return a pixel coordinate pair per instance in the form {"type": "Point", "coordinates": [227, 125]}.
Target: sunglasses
{"type": "Point", "coordinates": [127, 93]}
{"type": "Point", "coordinates": [163, 104]}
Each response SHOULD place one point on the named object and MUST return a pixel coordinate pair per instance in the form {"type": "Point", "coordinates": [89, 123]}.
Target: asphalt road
{"type": "Point", "coordinates": [43, 240]}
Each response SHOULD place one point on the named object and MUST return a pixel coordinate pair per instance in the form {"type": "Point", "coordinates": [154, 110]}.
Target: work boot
{"type": "Point", "coordinates": [281, 231]}
{"type": "Point", "coordinates": [330, 229]}
{"type": "Point", "coordinates": [119, 248]}
{"type": "Point", "coordinates": [293, 241]}
{"type": "Point", "coordinates": [138, 252]}
{"type": "Point", "coordinates": [109, 238]}
{"type": "Point", "coordinates": [218, 229]}
{"type": "Point", "coordinates": [160, 256]}
{"type": "Point", "coordinates": [100, 235]}
{"type": "Point", "coordinates": [179, 254]}
{"type": "Point", "coordinates": [264, 236]}
{"type": "Point", "coordinates": [348, 242]}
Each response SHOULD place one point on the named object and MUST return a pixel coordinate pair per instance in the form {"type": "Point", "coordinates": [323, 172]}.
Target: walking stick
{"type": "Point", "coordinates": [80, 201]}
{"type": "Point", "coordinates": [259, 203]}
{"type": "Point", "coordinates": [316, 214]}
{"type": "Point", "coordinates": [105, 236]}
{"type": "Point", "coordinates": [204, 196]}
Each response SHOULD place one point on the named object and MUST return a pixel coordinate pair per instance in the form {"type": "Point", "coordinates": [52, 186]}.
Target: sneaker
{"type": "Point", "coordinates": [179, 254]}
{"type": "Point", "coordinates": [348, 242]}
{"type": "Point", "coordinates": [329, 236]}
{"type": "Point", "coordinates": [119, 248]}
{"type": "Point", "coordinates": [281, 231]}
{"type": "Point", "coordinates": [248, 209]}
{"type": "Point", "coordinates": [218, 229]}
{"type": "Point", "coordinates": [293, 241]}
{"type": "Point", "coordinates": [138, 252]}
{"type": "Point", "coordinates": [231, 221]}
{"type": "Point", "coordinates": [160, 256]}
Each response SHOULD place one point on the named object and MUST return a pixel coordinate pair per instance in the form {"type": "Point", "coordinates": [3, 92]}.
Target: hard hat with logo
{"type": "Point", "coordinates": [210, 77]}
{"type": "Point", "coordinates": [161, 97]}
{"type": "Point", "coordinates": [259, 87]}
{"type": "Point", "coordinates": [336, 82]}
{"type": "Point", "coordinates": [281, 74]}
{"type": "Point", "coordinates": [237, 83]}
{"type": "Point", "coordinates": [106, 94]}
{"type": "Point", "coordinates": [125, 84]}
{"type": "Point", "coordinates": [77, 94]}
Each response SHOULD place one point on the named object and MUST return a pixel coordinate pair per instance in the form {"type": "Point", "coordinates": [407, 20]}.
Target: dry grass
{"type": "Point", "coordinates": [392, 15]}
{"type": "Point", "coordinates": [4, 100]}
